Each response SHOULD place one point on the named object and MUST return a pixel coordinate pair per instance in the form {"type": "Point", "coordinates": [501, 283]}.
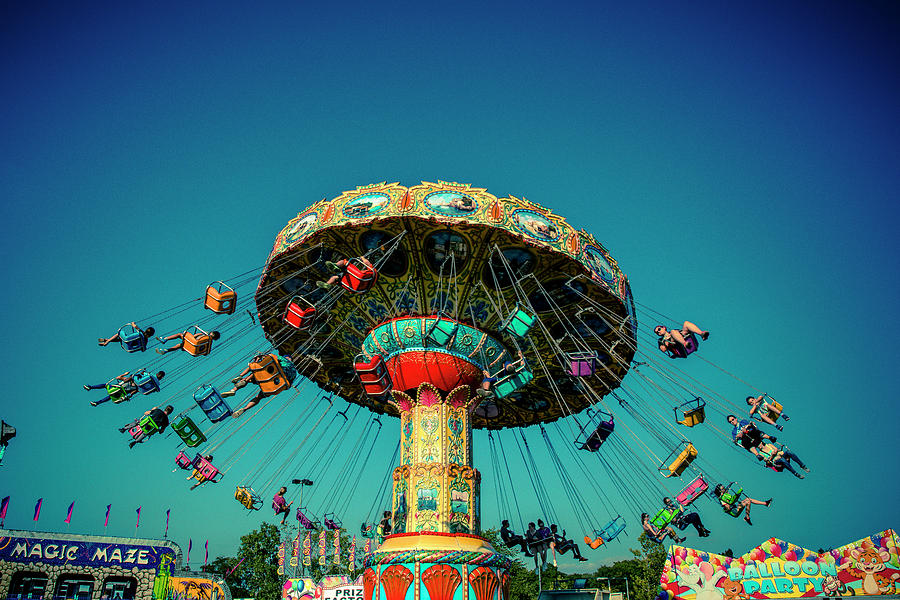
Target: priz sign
{"type": "Point", "coordinates": [343, 592]}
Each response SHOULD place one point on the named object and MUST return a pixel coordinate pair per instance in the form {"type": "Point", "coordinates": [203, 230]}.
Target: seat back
{"type": "Point", "coordinates": [665, 516]}
{"type": "Point", "coordinates": [189, 433]}
{"type": "Point", "coordinates": [220, 298]}
{"type": "Point", "coordinates": [184, 461]}
{"type": "Point", "coordinates": [211, 403]}
{"type": "Point", "coordinates": [146, 383]}
{"type": "Point", "coordinates": [247, 497]}
{"type": "Point", "coordinates": [441, 332]}
{"type": "Point", "coordinates": [694, 490]}
{"type": "Point", "coordinates": [299, 313]}
{"type": "Point", "coordinates": [611, 529]}
{"type": "Point", "coordinates": [357, 277]}
{"type": "Point", "coordinates": [304, 521]}
{"type": "Point", "coordinates": [690, 346]}
{"type": "Point", "coordinates": [268, 374]}
{"type": "Point", "coordinates": [518, 323]}
{"type": "Point", "coordinates": [681, 461]}
{"type": "Point", "coordinates": [196, 342]}
{"type": "Point", "coordinates": [774, 409]}
{"type": "Point", "coordinates": [148, 425]}
{"type": "Point", "coordinates": [131, 339]}
{"type": "Point", "coordinates": [691, 413]}
{"type": "Point", "coordinates": [512, 381]}
{"type": "Point", "coordinates": [116, 392]}
{"type": "Point", "coordinates": [204, 470]}
{"type": "Point", "coordinates": [581, 364]}
{"type": "Point", "coordinates": [373, 375]}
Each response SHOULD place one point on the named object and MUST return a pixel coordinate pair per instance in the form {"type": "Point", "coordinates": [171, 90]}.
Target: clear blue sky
{"type": "Point", "coordinates": [738, 160]}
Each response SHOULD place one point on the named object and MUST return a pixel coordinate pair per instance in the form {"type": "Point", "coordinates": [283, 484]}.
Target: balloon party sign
{"type": "Point", "coordinates": [779, 569]}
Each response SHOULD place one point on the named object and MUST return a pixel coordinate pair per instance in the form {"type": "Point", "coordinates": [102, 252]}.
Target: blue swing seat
{"type": "Point", "coordinates": [509, 383]}
{"type": "Point", "coordinates": [212, 403]}
{"type": "Point", "coordinates": [146, 383]}
{"type": "Point", "coordinates": [441, 332]}
{"type": "Point", "coordinates": [132, 339]}
{"type": "Point", "coordinates": [611, 530]}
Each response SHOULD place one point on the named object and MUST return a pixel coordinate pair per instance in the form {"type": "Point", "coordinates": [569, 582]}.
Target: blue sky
{"type": "Point", "coordinates": [737, 160]}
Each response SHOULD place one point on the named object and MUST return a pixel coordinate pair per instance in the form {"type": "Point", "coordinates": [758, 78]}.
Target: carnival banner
{"type": "Point", "coordinates": [778, 569]}
{"type": "Point", "coordinates": [323, 544]}
{"type": "Point", "coordinates": [281, 558]}
{"type": "Point", "coordinates": [295, 550]}
{"type": "Point", "coordinates": [337, 546]}
{"type": "Point", "coordinates": [307, 550]}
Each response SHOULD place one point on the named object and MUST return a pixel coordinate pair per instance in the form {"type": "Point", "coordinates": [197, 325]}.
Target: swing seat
{"type": "Point", "coordinates": [117, 393]}
{"type": "Point", "coordinates": [145, 382]}
{"type": "Point", "coordinates": [196, 342]}
{"type": "Point", "coordinates": [358, 278]}
{"type": "Point", "coordinates": [184, 461]}
{"type": "Point", "coordinates": [299, 313]}
{"type": "Point", "coordinates": [220, 298]}
{"type": "Point", "coordinates": [692, 412]}
{"type": "Point", "coordinates": [690, 346]}
{"type": "Point", "coordinates": [131, 339]}
{"type": "Point", "coordinates": [304, 520]}
{"type": "Point", "coordinates": [211, 403]}
{"type": "Point", "coordinates": [598, 436]}
{"type": "Point", "coordinates": [148, 425]}
{"type": "Point", "coordinates": [509, 383]}
{"type": "Point", "coordinates": [189, 433]}
{"type": "Point", "coordinates": [373, 374]}
{"type": "Point", "coordinates": [732, 497]}
{"type": "Point", "coordinates": [775, 409]}
{"type": "Point", "coordinates": [665, 516]}
{"type": "Point", "coordinates": [694, 490]}
{"type": "Point", "coordinates": [203, 469]}
{"type": "Point", "coordinates": [136, 432]}
{"type": "Point", "coordinates": [611, 530]}
{"type": "Point", "coordinates": [581, 364]}
{"type": "Point", "coordinates": [441, 332]}
{"type": "Point", "coordinates": [518, 323]}
{"type": "Point", "coordinates": [268, 374]}
{"type": "Point", "coordinates": [367, 530]}
{"type": "Point", "coordinates": [331, 523]}
{"type": "Point", "coordinates": [247, 497]}
{"type": "Point", "coordinates": [681, 461]}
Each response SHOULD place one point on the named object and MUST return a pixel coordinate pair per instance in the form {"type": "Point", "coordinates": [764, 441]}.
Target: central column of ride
{"type": "Point", "coordinates": [435, 551]}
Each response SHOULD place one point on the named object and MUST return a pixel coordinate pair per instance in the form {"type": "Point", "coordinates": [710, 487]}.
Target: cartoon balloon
{"type": "Point", "coordinates": [776, 551]}
{"type": "Point", "coordinates": [790, 555]}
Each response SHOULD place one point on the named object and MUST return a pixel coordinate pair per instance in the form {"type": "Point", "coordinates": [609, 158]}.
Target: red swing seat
{"type": "Point", "coordinates": [358, 278]}
{"type": "Point", "coordinates": [373, 374]}
{"type": "Point", "coordinates": [299, 313]}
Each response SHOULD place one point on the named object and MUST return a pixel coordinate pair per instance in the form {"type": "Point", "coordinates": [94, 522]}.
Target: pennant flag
{"type": "Point", "coordinates": [69, 514]}
{"type": "Point", "coordinates": [368, 547]}
{"type": "Point", "coordinates": [352, 555]}
{"type": "Point", "coordinates": [295, 550]}
{"type": "Point", "coordinates": [281, 558]}
{"type": "Point", "coordinates": [206, 558]}
{"type": "Point", "coordinates": [307, 549]}
{"type": "Point", "coordinates": [4, 504]}
{"type": "Point", "coordinates": [166, 534]}
{"type": "Point", "coordinates": [337, 546]}
{"type": "Point", "coordinates": [136, 525]}
{"type": "Point", "coordinates": [187, 560]}
{"type": "Point", "coordinates": [323, 544]}
{"type": "Point", "coordinates": [106, 522]}
{"type": "Point", "coordinates": [37, 509]}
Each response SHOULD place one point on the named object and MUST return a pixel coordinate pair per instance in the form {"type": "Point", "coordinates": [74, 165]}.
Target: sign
{"type": "Point", "coordinates": [88, 554]}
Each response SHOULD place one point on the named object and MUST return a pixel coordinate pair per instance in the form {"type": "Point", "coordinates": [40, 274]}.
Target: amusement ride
{"type": "Point", "coordinates": [447, 309]}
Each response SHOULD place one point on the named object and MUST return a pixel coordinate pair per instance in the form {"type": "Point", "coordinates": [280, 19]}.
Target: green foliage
{"type": "Point", "coordinates": [650, 558]}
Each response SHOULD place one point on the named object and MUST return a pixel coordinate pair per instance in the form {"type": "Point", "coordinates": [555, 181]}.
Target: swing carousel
{"type": "Point", "coordinates": [403, 300]}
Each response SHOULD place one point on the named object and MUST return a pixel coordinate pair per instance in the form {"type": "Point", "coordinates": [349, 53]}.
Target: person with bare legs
{"type": "Point", "coordinates": [672, 339]}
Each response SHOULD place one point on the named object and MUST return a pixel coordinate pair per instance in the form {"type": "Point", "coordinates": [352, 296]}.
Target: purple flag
{"type": "Point", "coordinates": [106, 522]}
{"type": "Point", "coordinates": [4, 504]}
{"type": "Point", "coordinates": [206, 558]}
{"type": "Point", "coordinates": [69, 514]}
{"type": "Point", "coordinates": [187, 560]}
{"type": "Point", "coordinates": [136, 525]}
{"type": "Point", "coordinates": [166, 534]}
{"type": "Point", "coordinates": [37, 509]}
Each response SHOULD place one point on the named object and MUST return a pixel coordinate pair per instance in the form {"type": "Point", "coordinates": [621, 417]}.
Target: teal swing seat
{"type": "Point", "coordinates": [189, 433]}
{"type": "Point", "coordinates": [509, 383]}
{"type": "Point", "coordinates": [441, 332]}
{"type": "Point", "coordinates": [611, 530]}
{"type": "Point", "coordinates": [518, 323]}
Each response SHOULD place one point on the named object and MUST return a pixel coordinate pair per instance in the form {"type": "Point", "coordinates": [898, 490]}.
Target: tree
{"type": "Point", "coordinates": [256, 574]}
{"type": "Point", "coordinates": [523, 582]}
{"type": "Point", "coordinates": [650, 558]}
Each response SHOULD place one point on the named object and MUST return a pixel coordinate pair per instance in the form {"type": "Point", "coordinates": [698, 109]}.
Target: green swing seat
{"type": "Point", "coordinates": [665, 516]}
{"type": "Point", "coordinates": [189, 433]}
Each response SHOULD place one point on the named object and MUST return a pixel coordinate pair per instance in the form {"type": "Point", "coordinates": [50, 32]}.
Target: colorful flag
{"type": "Point", "coordinates": [37, 509]}
{"type": "Point", "coordinates": [307, 549]}
{"type": "Point", "coordinates": [166, 534]}
{"type": "Point", "coordinates": [351, 558]}
{"type": "Point", "coordinates": [106, 522]}
{"type": "Point", "coordinates": [136, 525]}
{"type": "Point", "coordinates": [206, 557]}
{"type": "Point", "coordinates": [281, 558]}
{"type": "Point", "coordinates": [187, 560]}
{"type": "Point", "coordinates": [323, 544]}
{"type": "Point", "coordinates": [4, 504]}
{"type": "Point", "coordinates": [69, 514]}
{"type": "Point", "coordinates": [337, 546]}
{"type": "Point", "coordinates": [295, 550]}
{"type": "Point", "coordinates": [368, 547]}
